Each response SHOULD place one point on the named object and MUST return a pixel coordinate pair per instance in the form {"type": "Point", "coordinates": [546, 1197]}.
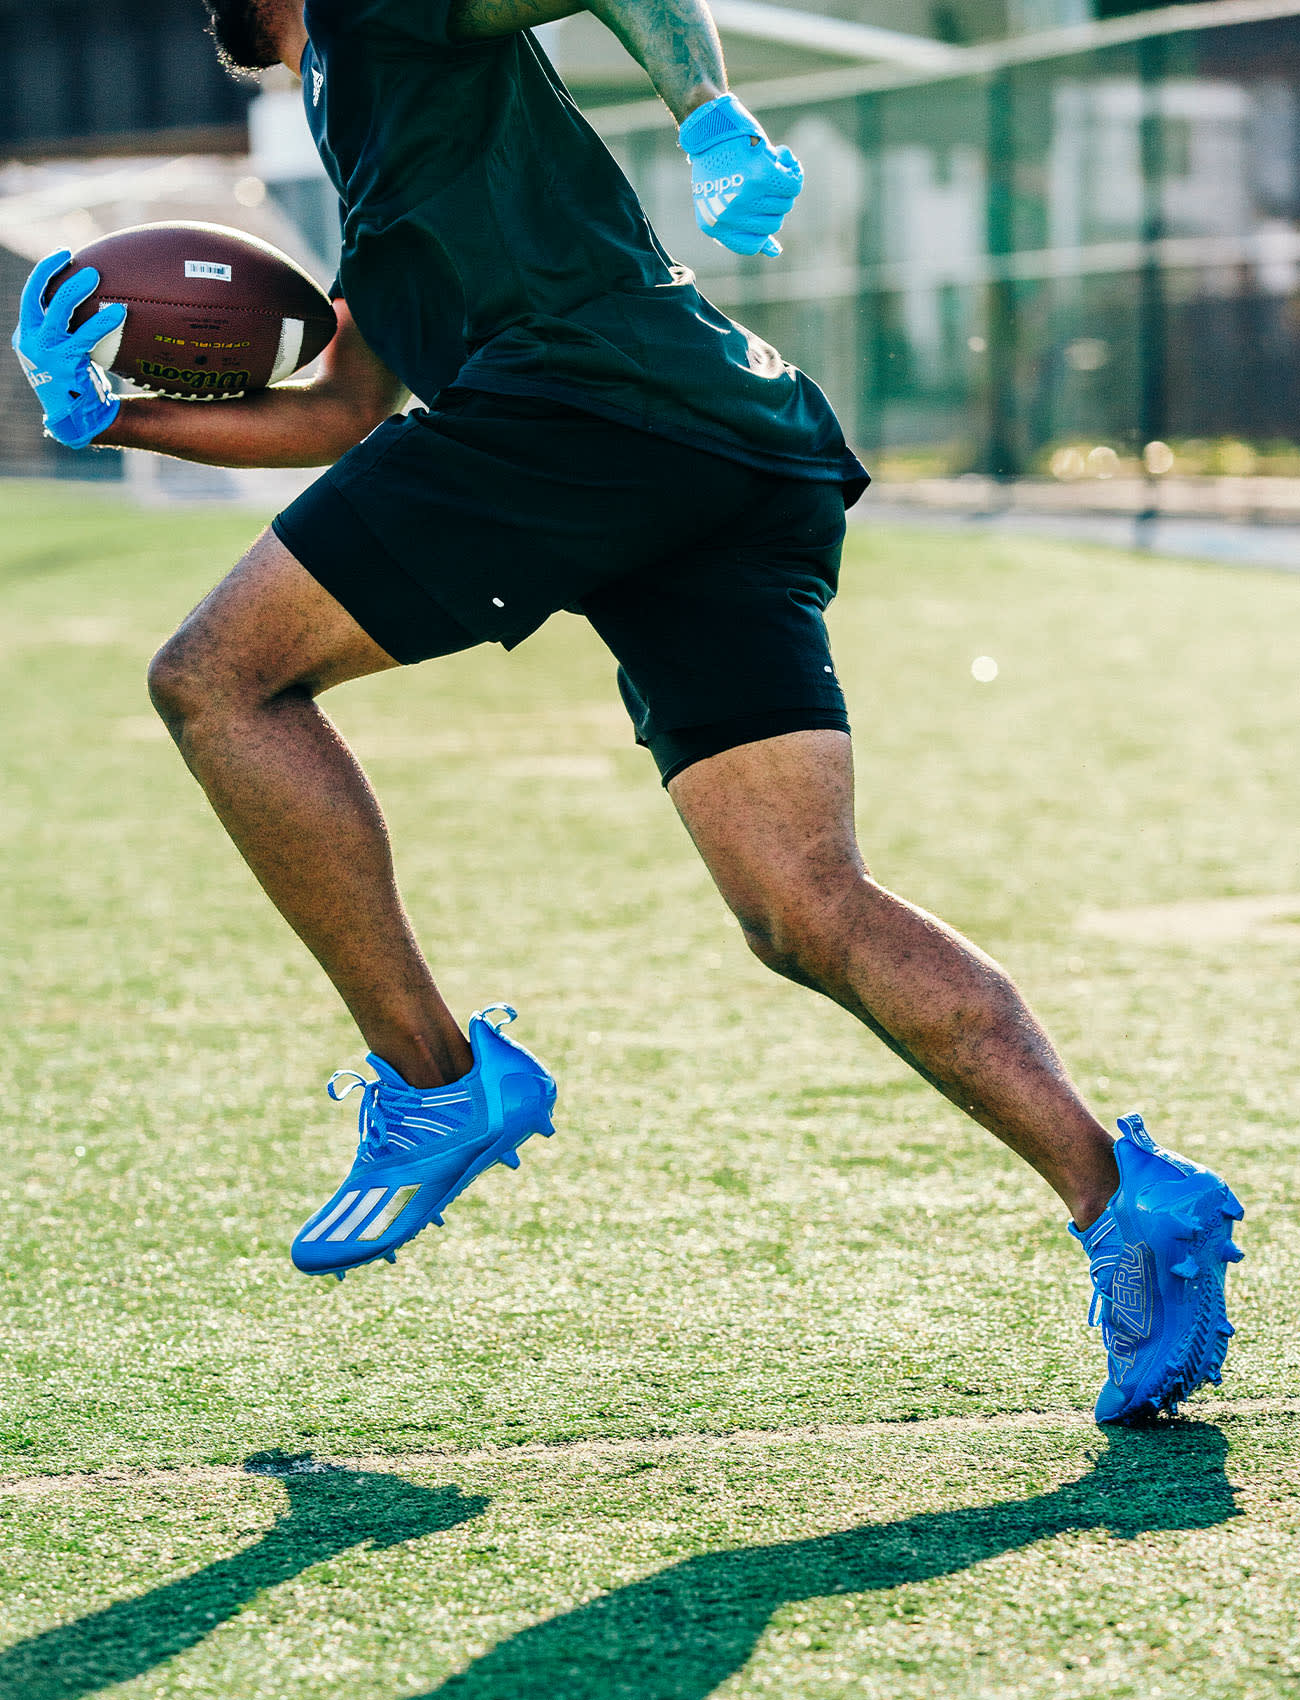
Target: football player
{"type": "Point", "coordinates": [595, 436]}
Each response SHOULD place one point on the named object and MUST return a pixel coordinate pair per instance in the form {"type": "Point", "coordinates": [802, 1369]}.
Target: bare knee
{"type": "Point", "coordinates": [171, 687]}
{"type": "Point", "coordinates": [182, 686]}
{"type": "Point", "coordinates": [773, 949]}
{"type": "Point", "coordinates": [804, 934]}
{"type": "Point", "coordinates": [267, 633]}
{"type": "Point", "coordinates": [195, 680]}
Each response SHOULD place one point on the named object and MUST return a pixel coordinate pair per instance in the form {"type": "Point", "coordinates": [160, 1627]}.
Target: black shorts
{"type": "Point", "coordinates": [476, 521]}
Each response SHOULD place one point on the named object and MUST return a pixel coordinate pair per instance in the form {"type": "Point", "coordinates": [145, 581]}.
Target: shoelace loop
{"type": "Point", "coordinates": [345, 1074]}
{"type": "Point", "coordinates": [372, 1124]}
{"type": "Point", "coordinates": [1102, 1312]}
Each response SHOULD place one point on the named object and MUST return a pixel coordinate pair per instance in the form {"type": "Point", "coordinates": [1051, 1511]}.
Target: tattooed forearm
{"type": "Point", "coordinates": [677, 43]}
{"type": "Point", "coordinates": [675, 40]}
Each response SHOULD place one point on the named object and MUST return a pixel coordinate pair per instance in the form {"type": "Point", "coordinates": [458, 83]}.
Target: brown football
{"type": "Point", "coordinates": [210, 312]}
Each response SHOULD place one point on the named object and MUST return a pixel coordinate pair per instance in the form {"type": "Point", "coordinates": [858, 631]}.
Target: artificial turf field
{"type": "Point", "coordinates": [769, 1375]}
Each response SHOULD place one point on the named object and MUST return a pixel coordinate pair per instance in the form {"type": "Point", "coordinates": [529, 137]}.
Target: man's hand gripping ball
{"type": "Point", "coordinates": [73, 392]}
{"type": "Point", "coordinates": [743, 186]}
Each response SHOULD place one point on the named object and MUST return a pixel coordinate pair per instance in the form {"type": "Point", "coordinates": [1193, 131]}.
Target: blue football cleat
{"type": "Point", "coordinates": [419, 1149]}
{"type": "Point", "coordinates": [1157, 1253]}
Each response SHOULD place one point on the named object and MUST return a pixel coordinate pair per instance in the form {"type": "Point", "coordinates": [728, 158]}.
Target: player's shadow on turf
{"type": "Point", "coordinates": [329, 1511]}
{"type": "Point", "coordinates": [678, 1634]}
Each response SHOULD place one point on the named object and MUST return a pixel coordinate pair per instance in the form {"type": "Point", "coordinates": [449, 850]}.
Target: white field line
{"type": "Point", "coordinates": [394, 1463]}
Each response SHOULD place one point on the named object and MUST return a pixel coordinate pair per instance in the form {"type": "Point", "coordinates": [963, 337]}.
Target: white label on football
{"type": "Point", "coordinates": [208, 268]}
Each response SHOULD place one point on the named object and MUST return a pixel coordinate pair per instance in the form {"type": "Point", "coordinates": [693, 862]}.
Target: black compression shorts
{"type": "Point", "coordinates": [475, 521]}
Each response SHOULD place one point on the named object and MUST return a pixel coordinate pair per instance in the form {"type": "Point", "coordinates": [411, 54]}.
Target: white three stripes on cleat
{"type": "Point", "coordinates": [347, 1199]}
{"type": "Point", "coordinates": [391, 1211]}
{"type": "Point", "coordinates": [357, 1216]}
{"type": "Point", "coordinates": [356, 1213]}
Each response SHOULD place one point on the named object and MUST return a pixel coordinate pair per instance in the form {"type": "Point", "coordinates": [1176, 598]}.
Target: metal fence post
{"type": "Point", "coordinates": [1001, 451]}
{"type": "Point", "coordinates": [1153, 384]}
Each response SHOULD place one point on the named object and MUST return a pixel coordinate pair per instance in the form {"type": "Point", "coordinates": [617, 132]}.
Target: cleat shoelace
{"type": "Point", "coordinates": [1120, 1334]}
{"type": "Point", "coordinates": [383, 1122]}
{"type": "Point", "coordinates": [1101, 1313]}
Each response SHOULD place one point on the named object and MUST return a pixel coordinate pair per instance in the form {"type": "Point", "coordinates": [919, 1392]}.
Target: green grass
{"type": "Point", "coordinates": [731, 1389]}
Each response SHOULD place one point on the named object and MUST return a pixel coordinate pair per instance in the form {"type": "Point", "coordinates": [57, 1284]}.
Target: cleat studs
{"type": "Point", "coordinates": [511, 1159]}
{"type": "Point", "coordinates": [1226, 1331]}
{"type": "Point", "coordinates": [1232, 1253]}
{"type": "Point", "coordinates": [1187, 1270]}
{"type": "Point", "coordinates": [390, 1257]}
{"type": "Point", "coordinates": [1232, 1208]}
{"type": "Point", "coordinates": [339, 1274]}
{"type": "Point", "coordinates": [436, 1219]}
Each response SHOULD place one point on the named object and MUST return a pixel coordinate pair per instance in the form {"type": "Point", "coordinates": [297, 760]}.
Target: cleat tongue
{"type": "Point", "coordinates": [1232, 1253]}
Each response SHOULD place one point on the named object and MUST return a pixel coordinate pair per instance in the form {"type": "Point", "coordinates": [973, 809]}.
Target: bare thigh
{"type": "Point", "coordinates": [266, 628]}
{"type": "Point", "coordinates": [773, 821]}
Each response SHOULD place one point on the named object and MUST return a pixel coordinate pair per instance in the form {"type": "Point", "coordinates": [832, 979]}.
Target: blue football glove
{"type": "Point", "coordinates": [743, 186]}
{"type": "Point", "coordinates": [73, 392]}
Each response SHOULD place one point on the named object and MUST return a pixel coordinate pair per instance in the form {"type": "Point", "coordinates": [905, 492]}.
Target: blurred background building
{"type": "Point", "coordinates": [1039, 237]}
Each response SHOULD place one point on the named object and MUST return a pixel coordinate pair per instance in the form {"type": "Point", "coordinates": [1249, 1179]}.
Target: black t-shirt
{"type": "Point", "coordinates": [491, 241]}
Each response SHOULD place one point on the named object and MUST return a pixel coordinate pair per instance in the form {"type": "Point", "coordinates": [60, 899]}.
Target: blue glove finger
{"type": "Point", "coordinates": [30, 311]}
{"type": "Point", "coordinates": [739, 241]}
{"type": "Point", "coordinates": [784, 157]}
{"type": "Point", "coordinates": [771, 249]}
{"type": "Point", "coordinates": [745, 223]}
{"type": "Point", "coordinates": [770, 185]}
{"type": "Point", "coordinates": [784, 185]}
{"type": "Point", "coordinates": [770, 206]}
{"type": "Point", "coordinates": [753, 212]}
{"type": "Point", "coordinates": [98, 325]}
{"type": "Point", "coordinates": [772, 172]}
{"type": "Point", "coordinates": [67, 298]}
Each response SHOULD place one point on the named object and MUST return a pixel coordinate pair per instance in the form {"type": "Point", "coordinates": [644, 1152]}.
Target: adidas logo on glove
{"type": "Point", "coordinates": [718, 185]}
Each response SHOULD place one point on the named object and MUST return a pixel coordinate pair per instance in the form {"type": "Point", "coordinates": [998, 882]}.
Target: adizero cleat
{"type": "Point", "coordinates": [1158, 1253]}
{"type": "Point", "coordinates": [418, 1150]}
